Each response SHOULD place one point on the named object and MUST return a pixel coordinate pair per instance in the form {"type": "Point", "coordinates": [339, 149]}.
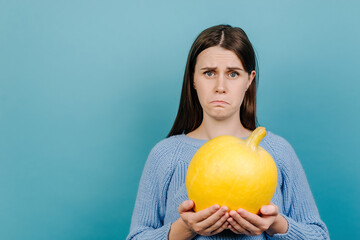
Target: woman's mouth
{"type": "Point", "coordinates": [219, 102]}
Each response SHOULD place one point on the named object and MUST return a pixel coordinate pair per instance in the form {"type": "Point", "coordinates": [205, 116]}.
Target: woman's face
{"type": "Point", "coordinates": [220, 81]}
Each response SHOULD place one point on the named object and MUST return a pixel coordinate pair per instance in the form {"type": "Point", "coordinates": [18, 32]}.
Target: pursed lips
{"type": "Point", "coordinates": [219, 102]}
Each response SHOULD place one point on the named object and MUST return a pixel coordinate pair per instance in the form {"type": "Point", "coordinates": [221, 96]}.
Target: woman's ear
{"type": "Point", "coordinates": [251, 78]}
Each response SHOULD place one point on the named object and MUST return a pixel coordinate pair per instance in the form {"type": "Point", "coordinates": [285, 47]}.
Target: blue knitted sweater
{"type": "Point", "coordinates": [162, 189]}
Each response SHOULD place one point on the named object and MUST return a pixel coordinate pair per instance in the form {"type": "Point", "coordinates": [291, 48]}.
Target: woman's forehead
{"type": "Point", "coordinates": [214, 56]}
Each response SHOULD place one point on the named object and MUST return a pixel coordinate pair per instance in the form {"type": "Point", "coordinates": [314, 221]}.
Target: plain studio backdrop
{"type": "Point", "coordinates": [87, 88]}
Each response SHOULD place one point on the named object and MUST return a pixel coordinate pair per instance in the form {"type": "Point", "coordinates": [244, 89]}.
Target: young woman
{"type": "Point", "coordinates": [219, 98]}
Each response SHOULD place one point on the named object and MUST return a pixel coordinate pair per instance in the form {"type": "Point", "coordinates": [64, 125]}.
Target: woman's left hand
{"type": "Point", "coordinates": [244, 222]}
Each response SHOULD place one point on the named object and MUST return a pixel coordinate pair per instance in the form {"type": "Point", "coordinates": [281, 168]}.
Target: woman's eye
{"type": "Point", "coordinates": [233, 74]}
{"type": "Point", "coordinates": [209, 73]}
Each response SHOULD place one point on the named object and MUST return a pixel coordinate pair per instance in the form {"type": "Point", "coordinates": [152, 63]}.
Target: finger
{"type": "Point", "coordinates": [244, 224]}
{"type": "Point", "coordinates": [235, 227]}
{"type": "Point", "coordinates": [234, 230]}
{"type": "Point", "coordinates": [224, 226]}
{"type": "Point", "coordinates": [206, 213]}
{"type": "Point", "coordinates": [186, 206]}
{"type": "Point", "coordinates": [269, 210]}
{"type": "Point", "coordinates": [218, 224]}
{"type": "Point", "coordinates": [215, 220]}
{"type": "Point", "coordinates": [251, 218]}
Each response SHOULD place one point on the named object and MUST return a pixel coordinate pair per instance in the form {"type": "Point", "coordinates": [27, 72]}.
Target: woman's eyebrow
{"type": "Point", "coordinates": [213, 68]}
{"type": "Point", "coordinates": [235, 68]}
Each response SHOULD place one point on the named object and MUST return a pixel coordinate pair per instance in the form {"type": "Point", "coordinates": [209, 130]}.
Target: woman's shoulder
{"type": "Point", "coordinates": [278, 147]}
{"type": "Point", "coordinates": [160, 160]}
{"type": "Point", "coordinates": [275, 140]}
{"type": "Point", "coordinates": [173, 142]}
{"type": "Point", "coordinates": [165, 151]}
{"type": "Point", "coordinates": [165, 146]}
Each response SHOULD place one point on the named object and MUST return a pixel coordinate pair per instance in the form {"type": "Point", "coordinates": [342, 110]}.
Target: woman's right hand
{"type": "Point", "coordinates": [207, 222]}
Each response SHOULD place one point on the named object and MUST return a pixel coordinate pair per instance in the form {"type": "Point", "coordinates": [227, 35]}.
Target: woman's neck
{"type": "Point", "coordinates": [210, 128]}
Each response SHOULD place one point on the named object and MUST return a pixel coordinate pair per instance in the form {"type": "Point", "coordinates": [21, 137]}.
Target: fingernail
{"type": "Point", "coordinates": [224, 209]}
{"type": "Point", "coordinates": [267, 210]}
{"type": "Point", "coordinates": [216, 207]}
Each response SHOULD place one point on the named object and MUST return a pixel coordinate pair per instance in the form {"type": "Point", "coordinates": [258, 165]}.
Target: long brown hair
{"type": "Point", "coordinates": [190, 113]}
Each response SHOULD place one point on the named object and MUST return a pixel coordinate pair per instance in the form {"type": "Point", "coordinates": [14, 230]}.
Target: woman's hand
{"type": "Point", "coordinates": [207, 222]}
{"type": "Point", "coordinates": [244, 222]}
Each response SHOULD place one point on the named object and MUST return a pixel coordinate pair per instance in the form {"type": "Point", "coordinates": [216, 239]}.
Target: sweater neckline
{"type": "Point", "coordinates": [195, 141]}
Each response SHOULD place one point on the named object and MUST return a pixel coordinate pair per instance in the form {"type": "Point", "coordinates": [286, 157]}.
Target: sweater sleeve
{"type": "Point", "coordinates": [301, 211]}
{"type": "Point", "coordinates": [149, 210]}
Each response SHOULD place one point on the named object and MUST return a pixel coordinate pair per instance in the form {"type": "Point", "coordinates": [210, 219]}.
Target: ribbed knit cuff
{"type": "Point", "coordinates": [164, 233]}
{"type": "Point", "coordinates": [166, 230]}
{"type": "Point", "coordinates": [292, 233]}
{"type": "Point", "coordinates": [301, 231]}
{"type": "Point", "coordinates": [161, 233]}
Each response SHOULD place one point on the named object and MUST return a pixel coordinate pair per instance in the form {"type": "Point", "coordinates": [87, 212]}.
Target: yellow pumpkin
{"type": "Point", "coordinates": [232, 172]}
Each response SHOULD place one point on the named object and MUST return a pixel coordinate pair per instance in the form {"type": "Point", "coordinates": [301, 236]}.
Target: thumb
{"type": "Point", "coordinates": [269, 209]}
{"type": "Point", "coordinates": [186, 206]}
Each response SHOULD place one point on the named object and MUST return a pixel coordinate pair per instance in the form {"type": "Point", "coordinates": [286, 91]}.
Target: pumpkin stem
{"type": "Point", "coordinates": [255, 138]}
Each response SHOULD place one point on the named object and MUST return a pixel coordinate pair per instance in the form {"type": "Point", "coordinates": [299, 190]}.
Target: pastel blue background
{"type": "Point", "coordinates": [87, 88]}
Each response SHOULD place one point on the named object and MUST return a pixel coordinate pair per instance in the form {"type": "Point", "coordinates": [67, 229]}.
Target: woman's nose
{"type": "Point", "coordinates": [220, 84]}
